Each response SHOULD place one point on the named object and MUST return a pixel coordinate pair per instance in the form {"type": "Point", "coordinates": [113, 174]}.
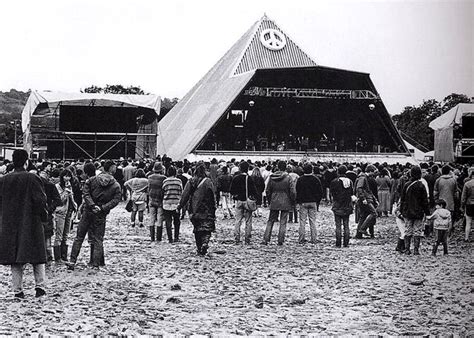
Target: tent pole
{"type": "Point", "coordinates": [64, 147]}
{"type": "Point", "coordinates": [95, 145]}
{"type": "Point", "coordinates": [126, 145]}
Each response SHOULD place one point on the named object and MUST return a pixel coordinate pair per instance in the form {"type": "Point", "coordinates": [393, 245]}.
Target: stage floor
{"type": "Point", "coordinates": [390, 158]}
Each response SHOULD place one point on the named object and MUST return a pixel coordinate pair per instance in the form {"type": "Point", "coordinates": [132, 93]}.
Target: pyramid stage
{"type": "Point", "coordinates": [266, 98]}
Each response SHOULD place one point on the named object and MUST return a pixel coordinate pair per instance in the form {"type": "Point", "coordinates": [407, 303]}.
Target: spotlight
{"type": "Point", "coordinates": [371, 106]}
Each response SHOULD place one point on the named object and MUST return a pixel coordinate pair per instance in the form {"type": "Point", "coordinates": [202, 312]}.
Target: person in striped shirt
{"type": "Point", "coordinates": [172, 191]}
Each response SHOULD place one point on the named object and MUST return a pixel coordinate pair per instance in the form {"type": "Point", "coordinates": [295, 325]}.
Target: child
{"type": "Point", "coordinates": [441, 224]}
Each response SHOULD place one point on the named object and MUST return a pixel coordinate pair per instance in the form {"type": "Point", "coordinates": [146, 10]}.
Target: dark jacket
{"type": "Point", "coordinates": [202, 204]}
{"type": "Point", "coordinates": [223, 182]}
{"type": "Point", "coordinates": [341, 189]}
{"type": "Point", "coordinates": [362, 189]}
{"type": "Point", "coordinates": [281, 191]}
{"type": "Point", "coordinates": [103, 191]}
{"type": "Point", "coordinates": [414, 202]}
{"type": "Point", "coordinates": [23, 211]}
{"type": "Point", "coordinates": [260, 187]}
{"type": "Point", "coordinates": [238, 189]}
{"type": "Point", "coordinates": [53, 200]}
{"type": "Point", "coordinates": [308, 189]}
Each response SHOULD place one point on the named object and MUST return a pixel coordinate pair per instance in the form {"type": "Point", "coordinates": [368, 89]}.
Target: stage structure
{"type": "Point", "coordinates": [90, 125]}
{"type": "Point", "coordinates": [267, 98]}
{"type": "Point", "coordinates": [454, 134]}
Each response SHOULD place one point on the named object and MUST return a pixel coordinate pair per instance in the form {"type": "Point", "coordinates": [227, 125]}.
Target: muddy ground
{"type": "Point", "coordinates": [161, 288]}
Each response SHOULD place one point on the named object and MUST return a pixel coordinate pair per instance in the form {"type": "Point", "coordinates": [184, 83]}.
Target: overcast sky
{"type": "Point", "coordinates": [414, 50]}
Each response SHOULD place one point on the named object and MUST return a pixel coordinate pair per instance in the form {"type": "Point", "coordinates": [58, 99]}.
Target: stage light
{"type": "Point", "coordinates": [371, 106]}
{"type": "Point", "coordinates": [251, 103]}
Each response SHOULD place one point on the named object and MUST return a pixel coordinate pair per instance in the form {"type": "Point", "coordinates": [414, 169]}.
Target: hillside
{"type": "Point", "coordinates": [11, 105]}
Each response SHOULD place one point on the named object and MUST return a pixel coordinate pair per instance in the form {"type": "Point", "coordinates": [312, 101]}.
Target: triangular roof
{"type": "Point", "coordinates": [452, 116]}
{"type": "Point", "coordinates": [181, 130]}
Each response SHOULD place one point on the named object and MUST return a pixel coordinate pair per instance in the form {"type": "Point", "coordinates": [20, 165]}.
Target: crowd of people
{"type": "Point", "coordinates": [42, 201]}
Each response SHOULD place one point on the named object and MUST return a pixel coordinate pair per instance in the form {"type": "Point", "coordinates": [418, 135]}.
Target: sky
{"type": "Point", "coordinates": [413, 50]}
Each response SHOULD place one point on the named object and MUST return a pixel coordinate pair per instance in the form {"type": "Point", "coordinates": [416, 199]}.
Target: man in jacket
{"type": "Point", "coordinates": [308, 194]}
{"type": "Point", "coordinates": [367, 203]}
{"type": "Point", "coordinates": [22, 238]}
{"type": "Point", "coordinates": [102, 193]}
{"type": "Point", "coordinates": [243, 187]}
{"type": "Point", "coordinates": [414, 206]}
{"type": "Point", "coordinates": [281, 194]}
{"type": "Point", "coordinates": [341, 189]}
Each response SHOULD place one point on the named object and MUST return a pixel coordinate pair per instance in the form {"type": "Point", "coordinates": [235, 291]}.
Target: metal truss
{"type": "Point", "coordinates": [312, 93]}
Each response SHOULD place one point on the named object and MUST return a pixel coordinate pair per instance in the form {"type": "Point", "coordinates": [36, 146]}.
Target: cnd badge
{"type": "Point", "coordinates": [272, 39]}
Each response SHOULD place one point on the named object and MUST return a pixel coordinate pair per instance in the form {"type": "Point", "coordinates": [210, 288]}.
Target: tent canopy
{"type": "Point", "coordinates": [46, 97]}
{"type": "Point", "coordinates": [452, 116]}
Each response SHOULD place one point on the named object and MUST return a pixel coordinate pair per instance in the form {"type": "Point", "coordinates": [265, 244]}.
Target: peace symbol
{"type": "Point", "coordinates": [272, 39]}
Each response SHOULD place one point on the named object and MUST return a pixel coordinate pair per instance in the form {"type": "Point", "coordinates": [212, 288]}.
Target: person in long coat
{"type": "Point", "coordinates": [200, 193]}
{"type": "Point", "coordinates": [23, 209]}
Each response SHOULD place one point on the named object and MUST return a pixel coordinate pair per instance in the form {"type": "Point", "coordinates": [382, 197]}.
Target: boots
{"type": "Point", "coordinates": [169, 233]}
{"type": "Point", "coordinates": [407, 245]}
{"type": "Point", "coordinates": [152, 233]}
{"type": "Point", "coordinates": [176, 232]}
{"type": "Point", "coordinates": [400, 245]}
{"type": "Point", "coordinates": [91, 255]}
{"type": "Point", "coordinates": [435, 248]}
{"type": "Point", "coordinates": [64, 248]}
{"type": "Point", "coordinates": [417, 241]}
{"type": "Point", "coordinates": [57, 253]}
{"type": "Point", "coordinates": [159, 233]}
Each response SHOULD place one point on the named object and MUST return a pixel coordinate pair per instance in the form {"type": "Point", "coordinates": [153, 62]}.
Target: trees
{"type": "Point", "coordinates": [414, 120]}
{"type": "Point", "coordinates": [166, 103]}
{"type": "Point", "coordinates": [114, 89]}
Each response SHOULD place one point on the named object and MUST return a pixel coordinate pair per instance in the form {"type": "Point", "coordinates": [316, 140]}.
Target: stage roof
{"type": "Point", "coordinates": [452, 116]}
{"type": "Point", "coordinates": [106, 100]}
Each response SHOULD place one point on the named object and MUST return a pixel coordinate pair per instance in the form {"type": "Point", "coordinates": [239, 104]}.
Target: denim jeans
{"type": "Point", "coordinates": [401, 227]}
{"type": "Point", "coordinates": [342, 221]}
{"type": "Point", "coordinates": [414, 227]}
{"type": "Point", "coordinates": [367, 218]}
{"type": "Point", "coordinates": [156, 216]}
{"type": "Point", "coordinates": [272, 219]}
{"type": "Point", "coordinates": [441, 238]}
{"type": "Point", "coordinates": [93, 225]}
{"type": "Point", "coordinates": [240, 215]}
{"type": "Point", "coordinates": [468, 226]}
{"type": "Point", "coordinates": [307, 210]}
{"type": "Point", "coordinates": [17, 276]}
{"type": "Point", "coordinates": [226, 204]}
{"type": "Point", "coordinates": [172, 216]}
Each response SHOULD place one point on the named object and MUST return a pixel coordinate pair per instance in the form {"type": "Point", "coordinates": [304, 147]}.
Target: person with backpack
{"type": "Point", "coordinates": [341, 189]}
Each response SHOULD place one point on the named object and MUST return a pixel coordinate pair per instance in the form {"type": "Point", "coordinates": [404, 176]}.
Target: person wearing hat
{"type": "Point", "coordinates": [155, 203]}
{"type": "Point", "coordinates": [366, 203]}
{"type": "Point", "coordinates": [414, 206]}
